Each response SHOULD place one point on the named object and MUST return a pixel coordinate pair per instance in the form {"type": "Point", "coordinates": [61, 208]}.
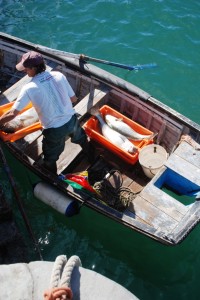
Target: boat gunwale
{"type": "Point", "coordinates": [106, 78]}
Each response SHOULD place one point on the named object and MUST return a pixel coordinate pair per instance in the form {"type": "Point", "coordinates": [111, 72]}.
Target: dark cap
{"type": "Point", "coordinates": [29, 60]}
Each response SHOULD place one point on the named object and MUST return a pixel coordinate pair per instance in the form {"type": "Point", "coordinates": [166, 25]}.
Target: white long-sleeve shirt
{"type": "Point", "coordinates": [50, 94]}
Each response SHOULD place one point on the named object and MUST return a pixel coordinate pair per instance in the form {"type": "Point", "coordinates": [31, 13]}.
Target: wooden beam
{"type": "Point", "coordinates": [89, 101]}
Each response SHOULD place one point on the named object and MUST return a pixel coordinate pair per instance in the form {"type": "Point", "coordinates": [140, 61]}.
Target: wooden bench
{"type": "Point", "coordinates": [11, 93]}
{"type": "Point", "coordinates": [186, 161]}
{"type": "Point", "coordinates": [89, 101]}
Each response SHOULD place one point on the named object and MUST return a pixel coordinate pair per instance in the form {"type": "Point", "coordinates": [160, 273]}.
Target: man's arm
{"type": "Point", "coordinates": [8, 116]}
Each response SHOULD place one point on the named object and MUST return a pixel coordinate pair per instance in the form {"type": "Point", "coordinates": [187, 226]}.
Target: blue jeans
{"type": "Point", "coordinates": [53, 142]}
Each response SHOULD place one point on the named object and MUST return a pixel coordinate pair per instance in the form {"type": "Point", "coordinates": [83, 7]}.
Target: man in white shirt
{"type": "Point", "coordinates": [52, 98]}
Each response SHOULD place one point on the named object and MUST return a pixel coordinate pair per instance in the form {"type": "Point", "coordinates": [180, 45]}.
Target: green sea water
{"type": "Point", "coordinates": [165, 32]}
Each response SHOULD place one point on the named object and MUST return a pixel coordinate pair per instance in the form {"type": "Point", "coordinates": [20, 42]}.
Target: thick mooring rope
{"type": "Point", "coordinates": [61, 277]}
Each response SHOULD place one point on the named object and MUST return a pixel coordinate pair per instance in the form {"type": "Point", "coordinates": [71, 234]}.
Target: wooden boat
{"type": "Point", "coordinates": [161, 196]}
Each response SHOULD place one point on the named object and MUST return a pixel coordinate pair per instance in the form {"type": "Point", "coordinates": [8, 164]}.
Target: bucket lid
{"type": "Point", "coordinates": [152, 156]}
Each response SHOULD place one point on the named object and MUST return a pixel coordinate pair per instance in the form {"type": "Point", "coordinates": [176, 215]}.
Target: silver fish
{"type": "Point", "coordinates": [125, 129]}
{"type": "Point", "coordinates": [23, 120]}
{"type": "Point", "coordinates": [115, 137]}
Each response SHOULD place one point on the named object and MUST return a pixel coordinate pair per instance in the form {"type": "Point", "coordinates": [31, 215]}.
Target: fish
{"type": "Point", "coordinates": [115, 137]}
{"type": "Point", "coordinates": [22, 120]}
{"type": "Point", "coordinates": [120, 126]}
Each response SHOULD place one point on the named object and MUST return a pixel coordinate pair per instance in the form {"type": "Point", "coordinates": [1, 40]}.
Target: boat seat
{"type": "Point", "coordinates": [185, 161]}
{"type": "Point", "coordinates": [89, 101]}
{"type": "Point", "coordinates": [11, 93]}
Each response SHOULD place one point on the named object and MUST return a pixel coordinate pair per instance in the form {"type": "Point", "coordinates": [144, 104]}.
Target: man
{"type": "Point", "coordinates": [52, 97]}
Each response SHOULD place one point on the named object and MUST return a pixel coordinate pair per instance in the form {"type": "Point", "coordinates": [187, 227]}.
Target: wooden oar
{"type": "Point", "coordinates": [110, 63]}
{"type": "Point", "coordinates": [85, 58]}
{"type": "Point", "coordinates": [19, 202]}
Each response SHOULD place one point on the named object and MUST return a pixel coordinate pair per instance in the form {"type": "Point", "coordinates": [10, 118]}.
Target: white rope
{"type": "Point", "coordinates": [62, 270]}
{"type": "Point", "coordinates": [73, 262]}
{"type": "Point", "coordinates": [57, 270]}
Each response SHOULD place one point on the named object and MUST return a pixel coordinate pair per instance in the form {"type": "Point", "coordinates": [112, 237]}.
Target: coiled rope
{"type": "Point", "coordinates": [61, 277]}
{"type": "Point", "coordinates": [114, 194]}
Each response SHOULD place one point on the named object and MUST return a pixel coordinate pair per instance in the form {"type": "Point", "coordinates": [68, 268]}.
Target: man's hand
{"type": "Point", "coordinates": [7, 117]}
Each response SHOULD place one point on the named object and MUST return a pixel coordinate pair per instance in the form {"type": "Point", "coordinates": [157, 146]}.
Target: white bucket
{"type": "Point", "coordinates": [152, 158]}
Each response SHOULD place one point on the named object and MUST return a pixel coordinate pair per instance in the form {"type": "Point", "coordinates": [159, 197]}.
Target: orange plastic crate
{"type": "Point", "coordinates": [11, 137]}
{"type": "Point", "coordinates": [93, 130]}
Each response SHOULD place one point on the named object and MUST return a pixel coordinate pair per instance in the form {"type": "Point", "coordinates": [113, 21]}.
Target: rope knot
{"type": "Point", "coordinates": [58, 293]}
{"type": "Point", "coordinates": [61, 277]}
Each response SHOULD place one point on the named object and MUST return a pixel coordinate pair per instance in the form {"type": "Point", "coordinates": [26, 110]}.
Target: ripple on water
{"type": "Point", "coordinates": [129, 32]}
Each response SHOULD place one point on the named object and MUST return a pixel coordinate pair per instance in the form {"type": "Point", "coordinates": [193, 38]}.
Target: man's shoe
{"type": "Point", "coordinates": [47, 165]}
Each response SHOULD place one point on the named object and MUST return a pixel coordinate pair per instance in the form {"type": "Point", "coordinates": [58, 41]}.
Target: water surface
{"type": "Point", "coordinates": [165, 32]}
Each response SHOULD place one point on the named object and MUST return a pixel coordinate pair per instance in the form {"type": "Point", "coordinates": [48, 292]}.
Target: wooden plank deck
{"type": "Point", "coordinates": [11, 93]}
{"type": "Point", "coordinates": [158, 209]}
{"type": "Point", "coordinates": [146, 212]}
{"type": "Point", "coordinates": [186, 162]}
{"type": "Point", "coordinates": [82, 108]}
{"type": "Point", "coordinates": [189, 153]}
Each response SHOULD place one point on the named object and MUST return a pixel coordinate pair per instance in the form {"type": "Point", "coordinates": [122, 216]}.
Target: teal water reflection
{"type": "Point", "coordinates": [129, 32]}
